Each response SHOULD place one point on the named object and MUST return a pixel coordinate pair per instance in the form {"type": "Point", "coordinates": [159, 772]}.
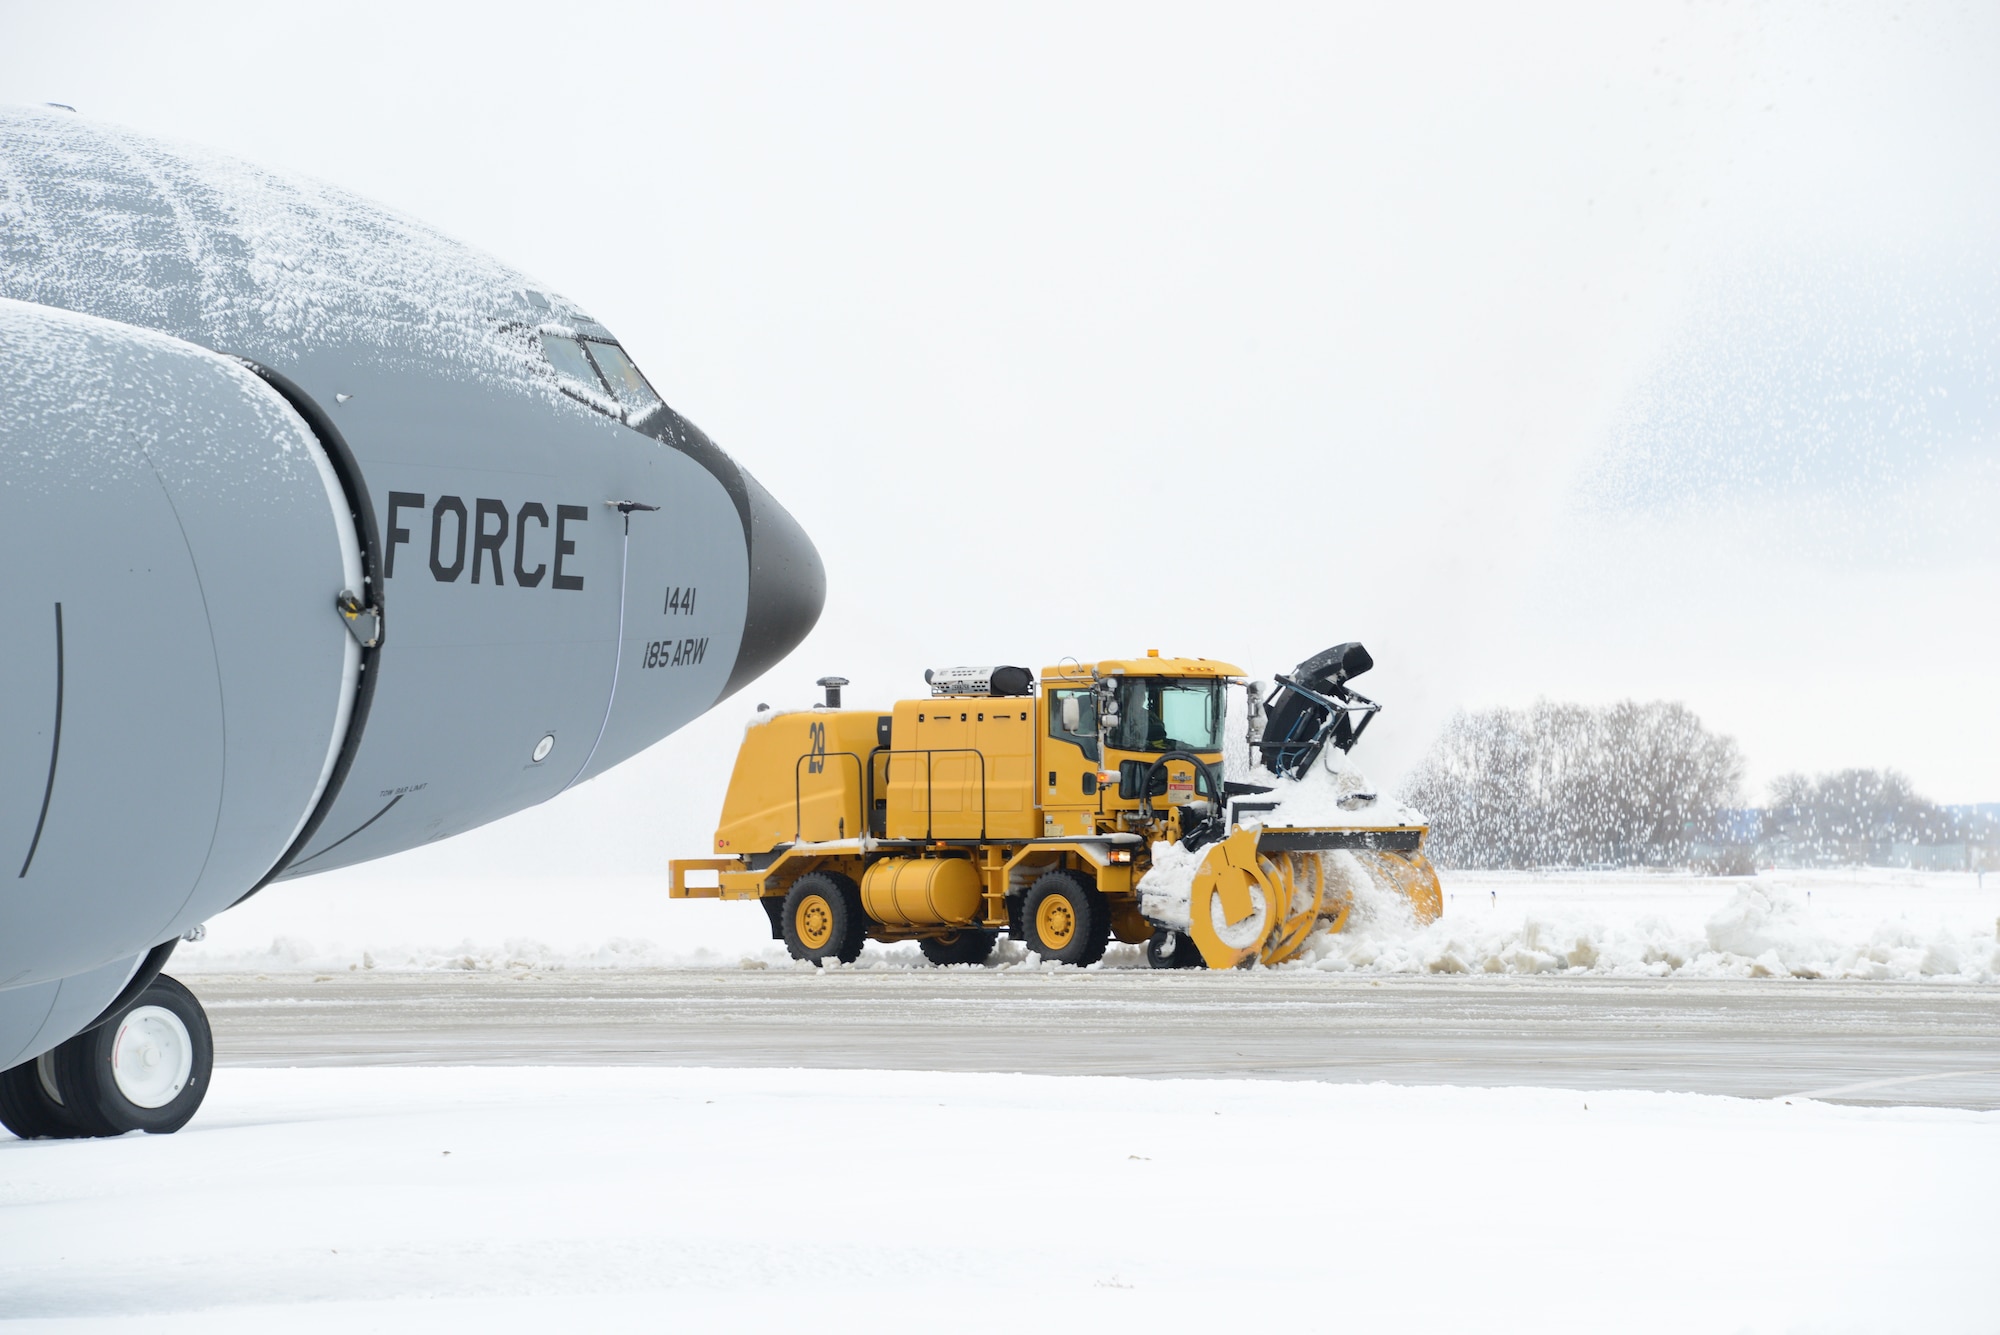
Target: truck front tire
{"type": "Point", "coordinates": [1065, 920]}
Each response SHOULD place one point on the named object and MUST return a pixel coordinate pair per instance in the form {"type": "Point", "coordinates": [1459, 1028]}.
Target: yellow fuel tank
{"type": "Point", "coordinates": [921, 892]}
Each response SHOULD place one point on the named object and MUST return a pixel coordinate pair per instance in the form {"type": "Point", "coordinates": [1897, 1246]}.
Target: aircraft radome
{"type": "Point", "coordinates": [323, 537]}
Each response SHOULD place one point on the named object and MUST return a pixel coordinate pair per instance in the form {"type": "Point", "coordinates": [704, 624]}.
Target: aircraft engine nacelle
{"type": "Point", "coordinates": [176, 675]}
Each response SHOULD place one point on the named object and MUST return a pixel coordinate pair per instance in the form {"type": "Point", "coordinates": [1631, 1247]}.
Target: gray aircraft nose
{"type": "Point", "coordinates": [787, 587]}
{"type": "Point", "coordinates": [787, 581]}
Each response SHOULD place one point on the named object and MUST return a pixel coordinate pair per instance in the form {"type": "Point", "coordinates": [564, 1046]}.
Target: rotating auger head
{"type": "Point", "coordinates": [1314, 706]}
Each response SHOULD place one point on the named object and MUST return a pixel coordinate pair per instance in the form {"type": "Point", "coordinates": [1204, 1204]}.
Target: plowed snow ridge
{"type": "Point", "coordinates": [1860, 924]}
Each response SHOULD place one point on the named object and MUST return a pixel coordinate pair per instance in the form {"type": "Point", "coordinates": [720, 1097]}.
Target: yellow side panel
{"type": "Point", "coordinates": [954, 771]}
{"type": "Point", "coordinates": [798, 776]}
{"type": "Point", "coordinates": [933, 783]}
{"type": "Point", "coordinates": [954, 792]}
{"type": "Point", "coordinates": [1006, 737]}
{"type": "Point", "coordinates": [909, 810]}
{"type": "Point", "coordinates": [960, 760]}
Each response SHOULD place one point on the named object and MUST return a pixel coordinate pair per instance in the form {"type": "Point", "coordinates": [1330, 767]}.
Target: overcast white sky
{"type": "Point", "coordinates": [1520, 343]}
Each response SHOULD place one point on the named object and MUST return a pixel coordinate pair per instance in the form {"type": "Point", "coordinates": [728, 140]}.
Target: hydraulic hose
{"type": "Point", "coordinates": [1214, 792]}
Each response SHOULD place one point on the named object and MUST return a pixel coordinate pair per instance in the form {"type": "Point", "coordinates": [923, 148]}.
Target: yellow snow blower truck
{"type": "Point", "coordinates": [1001, 803]}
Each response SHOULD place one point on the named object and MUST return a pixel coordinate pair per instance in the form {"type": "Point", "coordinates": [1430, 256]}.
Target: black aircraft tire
{"type": "Point", "coordinates": [822, 919]}
{"type": "Point", "coordinates": [1171, 948]}
{"type": "Point", "coordinates": [1065, 920]}
{"type": "Point", "coordinates": [26, 1108]}
{"type": "Point", "coordinates": [145, 1069]}
{"type": "Point", "coordinates": [969, 945]}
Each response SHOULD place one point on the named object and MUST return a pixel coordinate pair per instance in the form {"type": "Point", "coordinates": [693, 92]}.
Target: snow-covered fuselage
{"type": "Point", "coordinates": [324, 537]}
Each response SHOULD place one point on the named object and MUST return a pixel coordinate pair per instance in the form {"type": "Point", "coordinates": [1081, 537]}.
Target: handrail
{"type": "Point", "coordinates": [798, 792]}
{"type": "Point", "coordinates": [930, 809]}
{"type": "Point", "coordinates": [868, 790]}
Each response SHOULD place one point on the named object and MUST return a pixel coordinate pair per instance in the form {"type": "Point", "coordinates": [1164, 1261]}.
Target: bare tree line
{"type": "Point", "coordinates": [1861, 815]}
{"type": "Point", "coordinates": [1632, 784]}
{"type": "Point", "coordinates": [1628, 784]}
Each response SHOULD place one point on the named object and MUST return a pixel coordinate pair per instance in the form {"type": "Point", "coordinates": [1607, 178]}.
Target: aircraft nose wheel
{"type": "Point", "coordinates": [145, 1069]}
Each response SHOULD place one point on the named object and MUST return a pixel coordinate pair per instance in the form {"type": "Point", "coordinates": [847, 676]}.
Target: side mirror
{"type": "Point", "coordinates": [1072, 715]}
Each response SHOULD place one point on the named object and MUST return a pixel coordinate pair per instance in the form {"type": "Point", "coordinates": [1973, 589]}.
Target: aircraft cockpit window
{"type": "Point", "coordinates": [566, 355]}
{"type": "Point", "coordinates": [626, 383]}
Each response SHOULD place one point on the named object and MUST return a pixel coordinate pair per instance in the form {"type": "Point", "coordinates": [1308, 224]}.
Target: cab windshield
{"type": "Point", "coordinates": [1169, 714]}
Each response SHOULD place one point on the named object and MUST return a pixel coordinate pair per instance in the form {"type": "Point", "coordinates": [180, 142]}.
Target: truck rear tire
{"type": "Point", "coordinates": [1065, 920]}
{"type": "Point", "coordinates": [823, 919]}
{"type": "Point", "coordinates": [969, 945]}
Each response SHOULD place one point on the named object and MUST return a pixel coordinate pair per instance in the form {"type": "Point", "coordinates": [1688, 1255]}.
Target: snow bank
{"type": "Point", "coordinates": [1762, 928]}
{"type": "Point", "coordinates": [1862, 923]}
{"type": "Point", "coordinates": [1166, 891]}
{"type": "Point", "coordinates": [1882, 925]}
{"type": "Point", "coordinates": [290, 954]}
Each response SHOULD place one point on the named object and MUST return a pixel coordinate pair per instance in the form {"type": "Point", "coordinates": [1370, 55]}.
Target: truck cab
{"type": "Point", "coordinates": [1106, 726]}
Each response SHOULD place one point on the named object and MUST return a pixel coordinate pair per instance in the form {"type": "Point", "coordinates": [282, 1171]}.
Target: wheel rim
{"type": "Point", "coordinates": [814, 920]}
{"type": "Point", "coordinates": [1055, 921]}
{"type": "Point", "coordinates": [152, 1056]}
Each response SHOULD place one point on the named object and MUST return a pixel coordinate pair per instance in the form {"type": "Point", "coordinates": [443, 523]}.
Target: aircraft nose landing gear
{"type": "Point", "coordinates": [144, 1069]}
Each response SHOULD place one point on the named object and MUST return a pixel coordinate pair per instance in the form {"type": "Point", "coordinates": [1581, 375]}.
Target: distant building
{"type": "Point", "coordinates": [1740, 825]}
{"type": "Point", "coordinates": [1968, 839]}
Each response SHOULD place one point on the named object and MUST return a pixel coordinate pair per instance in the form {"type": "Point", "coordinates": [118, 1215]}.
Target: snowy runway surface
{"type": "Point", "coordinates": [1901, 1042]}
{"type": "Point", "coordinates": [511, 1199]}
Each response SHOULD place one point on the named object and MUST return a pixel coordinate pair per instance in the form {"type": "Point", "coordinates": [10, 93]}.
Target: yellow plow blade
{"type": "Point", "coordinates": [1250, 906]}
{"type": "Point", "coordinates": [1411, 874]}
{"type": "Point", "coordinates": [1235, 904]}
